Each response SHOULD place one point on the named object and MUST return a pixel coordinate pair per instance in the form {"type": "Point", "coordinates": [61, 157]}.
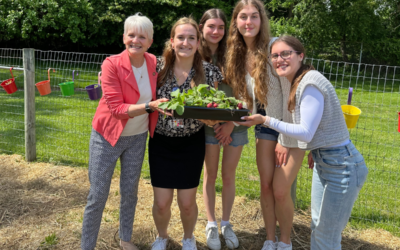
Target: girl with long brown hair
{"type": "Point", "coordinates": [339, 170]}
{"type": "Point", "coordinates": [177, 149]}
{"type": "Point", "coordinates": [212, 47]}
{"type": "Point", "coordinates": [250, 74]}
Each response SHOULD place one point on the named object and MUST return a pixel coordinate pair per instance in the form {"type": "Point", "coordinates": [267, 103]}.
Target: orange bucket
{"type": "Point", "coordinates": [44, 86]}
{"type": "Point", "coordinates": [9, 84]}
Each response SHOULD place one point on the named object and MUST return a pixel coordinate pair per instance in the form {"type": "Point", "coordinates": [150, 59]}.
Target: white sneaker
{"type": "Point", "coordinates": [189, 244]}
{"type": "Point", "coordinates": [212, 235]}
{"type": "Point", "coordinates": [283, 246]}
{"type": "Point", "coordinates": [270, 245]}
{"type": "Point", "coordinates": [159, 244]}
{"type": "Point", "coordinates": [231, 240]}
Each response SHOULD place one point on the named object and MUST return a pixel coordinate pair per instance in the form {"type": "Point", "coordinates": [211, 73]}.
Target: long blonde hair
{"type": "Point", "coordinates": [235, 70]}
{"type": "Point", "coordinates": [204, 50]}
{"type": "Point", "coordinates": [169, 56]}
{"type": "Point", "coordinates": [304, 68]}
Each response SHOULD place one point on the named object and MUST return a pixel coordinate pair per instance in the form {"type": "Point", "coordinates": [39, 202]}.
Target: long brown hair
{"type": "Point", "coordinates": [169, 56]}
{"type": "Point", "coordinates": [235, 70]}
{"type": "Point", "coordinates": [204, 50]}
{"type": "Point", "coordinates": [304, 68]}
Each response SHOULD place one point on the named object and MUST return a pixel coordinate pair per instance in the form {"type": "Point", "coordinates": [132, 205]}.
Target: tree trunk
{"type": "Point", "coordinates": [290, 11]}
{"type": "Point", "coordinates": [343, 48]}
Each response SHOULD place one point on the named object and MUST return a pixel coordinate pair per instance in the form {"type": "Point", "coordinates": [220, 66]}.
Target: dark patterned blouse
{"type": "Point", "coordinates": [190, 126]}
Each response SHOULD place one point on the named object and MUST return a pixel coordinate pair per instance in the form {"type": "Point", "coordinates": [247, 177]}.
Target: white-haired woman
{"type": "Point", "coordinates": [126, 113]}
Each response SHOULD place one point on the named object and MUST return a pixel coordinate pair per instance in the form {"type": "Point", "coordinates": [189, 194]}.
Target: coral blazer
{"type": "Point", "coordinates": [120, 90]}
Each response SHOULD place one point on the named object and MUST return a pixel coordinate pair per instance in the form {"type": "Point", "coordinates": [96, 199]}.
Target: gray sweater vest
{"type": "Point", "coordinates": [332, 129]}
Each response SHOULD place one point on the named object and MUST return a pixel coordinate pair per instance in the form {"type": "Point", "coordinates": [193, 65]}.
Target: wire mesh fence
{"type": "Point", "coordinates": [63, 125]}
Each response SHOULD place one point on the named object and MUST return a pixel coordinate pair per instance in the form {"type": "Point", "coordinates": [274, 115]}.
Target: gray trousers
{"type": "Point", "coordinates": [102, 161]}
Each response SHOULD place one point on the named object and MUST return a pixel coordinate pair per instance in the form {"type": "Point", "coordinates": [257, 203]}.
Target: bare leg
{"type": "Point", "coordinates": [283, 179]}
{"type": "Point", "coordinates": [230, 161]}
{"type": "Point", "coordinates": [162, 209]}
{"type": "Point", "coordinates": [189, 211]}
{"type": "Point", "coordinates": [265, 154]}
{"type": "Point", "coordinates": [210, 175]}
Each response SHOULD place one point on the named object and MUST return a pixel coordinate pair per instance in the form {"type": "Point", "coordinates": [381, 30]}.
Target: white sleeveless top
{"type": "Point", "coordinates": [140, 124]}
{"type": "Point", "coordinates": [274, 95]}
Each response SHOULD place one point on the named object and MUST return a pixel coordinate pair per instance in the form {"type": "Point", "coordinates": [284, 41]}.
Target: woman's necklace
{"type": "Point", "coordinates": [139, 70]}
{"type": "Point", "coordinates": [180, 75]}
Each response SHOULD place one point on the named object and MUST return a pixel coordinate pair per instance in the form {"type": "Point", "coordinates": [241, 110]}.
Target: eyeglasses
{"type": "Point", "coordinates": [284, 55]}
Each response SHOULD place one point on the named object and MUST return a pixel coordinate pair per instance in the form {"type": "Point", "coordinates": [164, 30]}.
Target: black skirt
{"type": "Point", "coordinates": [176, 162]}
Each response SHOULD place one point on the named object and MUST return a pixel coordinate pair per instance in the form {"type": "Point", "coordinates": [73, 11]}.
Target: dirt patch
{"type": "Point", "coordinates": [41, 207]}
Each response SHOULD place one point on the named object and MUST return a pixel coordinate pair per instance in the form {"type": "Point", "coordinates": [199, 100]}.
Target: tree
{"type": "Point", "coordinates": [55, 24]}
{"type": "Point", "coordinates": [343, 21]}
{"type": "Point", "coordinates": [60, 21]}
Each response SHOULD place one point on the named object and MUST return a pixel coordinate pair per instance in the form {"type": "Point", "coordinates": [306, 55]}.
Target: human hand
{"type": "Point", "coordinates": [223, 130]}
{"type": "Point", "coordinates": [281, 154]}
{"type": "Point", "coordinates": [252, 120]}
{"type": "Point", "coordinates": [310, 161]}
{"type": "Point", "coordinates": [216, 126]}
{"type": "Point", "coordinates": [154, 106]}
{"type": "Point", "coordinates": [225, 141]}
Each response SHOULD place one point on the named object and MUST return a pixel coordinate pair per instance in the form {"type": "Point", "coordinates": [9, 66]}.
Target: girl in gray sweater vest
{"type": "Point", "coordinates": [339, 170]}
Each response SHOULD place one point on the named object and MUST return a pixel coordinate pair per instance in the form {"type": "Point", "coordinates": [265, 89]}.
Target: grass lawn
{"type": "Point", "coordinates": [63, 126]}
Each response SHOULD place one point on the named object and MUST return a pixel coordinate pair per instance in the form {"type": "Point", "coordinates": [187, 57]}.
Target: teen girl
{"type": "Point", "coordinates": [253, 79]}
{"type": "Point", "coordinates": [339, 170]}
{"type": "Point", "coordinates": [212, 48]}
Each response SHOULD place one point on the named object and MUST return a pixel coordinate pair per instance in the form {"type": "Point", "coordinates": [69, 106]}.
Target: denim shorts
{"type": "Point", "coordinates": [238, 139]}
{"type": "Point", "coordinates": [265, 133]}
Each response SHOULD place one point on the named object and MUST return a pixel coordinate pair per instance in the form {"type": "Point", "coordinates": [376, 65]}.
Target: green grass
{"type": "Point", "coordinates": [63, 126]}
{"type": "Point", "coordinates": [49, 242]}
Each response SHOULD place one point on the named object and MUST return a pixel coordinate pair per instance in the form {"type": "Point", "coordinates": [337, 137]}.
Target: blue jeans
{"type": "Point", "coordinates": [339, 174]}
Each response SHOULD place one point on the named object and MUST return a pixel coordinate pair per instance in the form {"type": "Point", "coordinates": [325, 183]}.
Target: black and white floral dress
{"type": "Point", "coordinates": [176, 153]}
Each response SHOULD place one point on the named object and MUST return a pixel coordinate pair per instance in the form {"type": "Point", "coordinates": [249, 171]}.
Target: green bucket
{"type": "Point", "coordinates": [67, 88]}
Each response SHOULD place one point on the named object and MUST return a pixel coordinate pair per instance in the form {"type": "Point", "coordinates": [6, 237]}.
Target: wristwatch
{"type": "Point", "coordinates": [147, 108]}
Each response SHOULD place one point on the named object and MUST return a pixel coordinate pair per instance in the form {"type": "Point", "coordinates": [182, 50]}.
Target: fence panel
{"type": "Point", "coordinates": [63, 125]}
{"type": "Point", "coordinates": [12, 135]}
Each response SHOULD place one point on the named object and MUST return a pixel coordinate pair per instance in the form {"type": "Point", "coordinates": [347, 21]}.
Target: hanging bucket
{"type": "Point", "coordinates": [351, 113]}
{"type": "Point", "coordinates": [9, 84]}
{"type": "Point", "coordinates": [44, 86]}
{"type": "Point", "coordinates": [94, 90]}
{"type": "Point", "coordinates": [67, 88]}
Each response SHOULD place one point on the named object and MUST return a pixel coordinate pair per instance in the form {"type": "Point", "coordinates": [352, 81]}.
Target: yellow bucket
{"type": "Point", "coordinates": [351, 114]}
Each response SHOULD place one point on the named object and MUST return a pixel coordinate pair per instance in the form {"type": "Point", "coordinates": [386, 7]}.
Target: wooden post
{"type": "Point", "coordinates": [29, 104]}
{"type": "Point", "coordinates": [293, 191]}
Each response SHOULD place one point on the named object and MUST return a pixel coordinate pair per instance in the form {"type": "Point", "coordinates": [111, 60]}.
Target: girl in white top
{"type": "Point", "coordinates": [250, 74]}
{"type": "Point", "coordinates": [339, 169]}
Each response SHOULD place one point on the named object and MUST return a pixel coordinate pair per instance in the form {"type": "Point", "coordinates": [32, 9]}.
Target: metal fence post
{"type": "Point", "coordinates": [29, 104]}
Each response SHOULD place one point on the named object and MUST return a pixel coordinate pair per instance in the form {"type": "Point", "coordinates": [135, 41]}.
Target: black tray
{"type": "Point", "coordinates": [213, 113]}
